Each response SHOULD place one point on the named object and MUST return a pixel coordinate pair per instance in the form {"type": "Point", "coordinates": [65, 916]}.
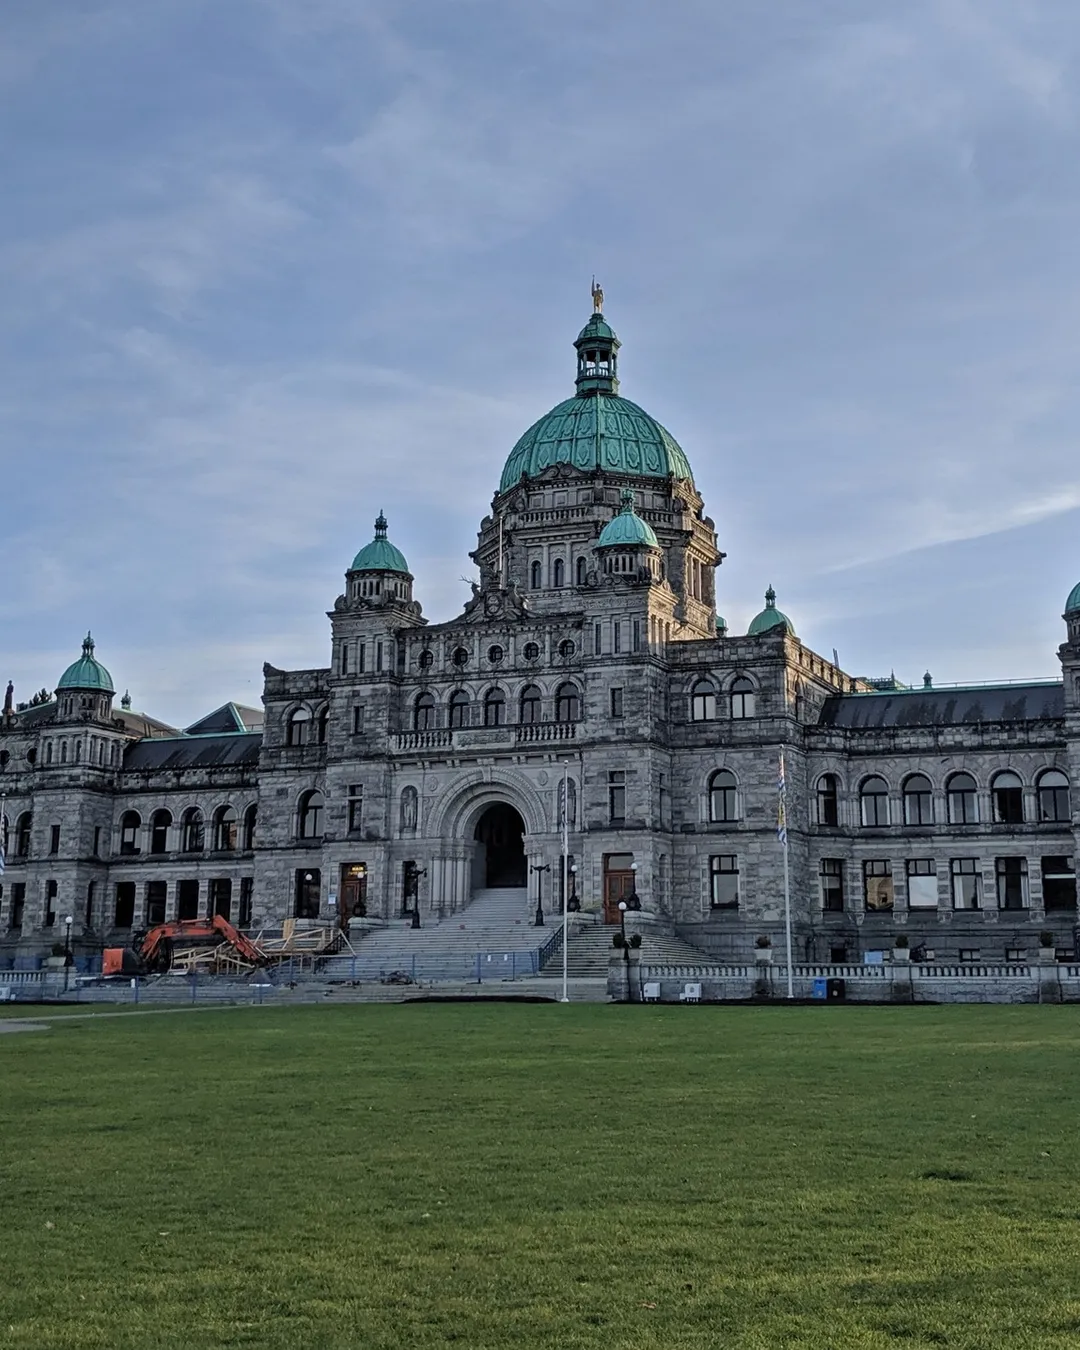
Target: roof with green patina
{"type": "Point", "coordinates": [380, 555]}
{"type": "Point", "coordinates": [602, 432]}
{"type": "Point", "coordinates": [86, 672]}
{"type": "Point", "coordinates": [627, 529]}
{"type": "Point", "coordinates": [769, 618]}
{"type": "Point", "coordinates": [1073, 601]}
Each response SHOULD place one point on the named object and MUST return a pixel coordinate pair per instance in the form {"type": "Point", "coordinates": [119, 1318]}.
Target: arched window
{"type": "Point", "coordinates": [251, 816]}
{"type": "Point", "coordinates": [1007, 796]}
{"type": "Point", "coordinates": [192, 831]}
{"type": "Point", "coordinates": [567, 703]}
{"type": "Point", "coordinates": [225, 829]}
{"type": "Point", "coordinates": [23, 827]}
{"type": "Point", "coordinates": [742, 697]}
{"type": "Point", "coordinates": [828, 809]}
{"type": "Point", "coordinates": [309, 817]}
{"type": "Point", "coordinates": [963, 803]}
{"type": "Point", "coordinates": [1054, 801]}
{"type": "Point", "coordinates": [298, 731]}
{"type": "Point", "coordinates": [723, 803]}
{"type": "Point", "coordinates": [130, 823]}
{"type": "Point", "coordinates": [580, 570]}
{"type": "Point", "coordinates": [48, 752]}
{"type": "Point", "coordinates": [703, 702]}
{"type": "Point", "coordinates": [558, 573]}
{"type": "Point", "coordinates": [410, 803]}
{"type": "Point", "coordinates": [78, 752]}
{"type": "Point", "coordinates": [159, 831]}
{"type": "Point", "coordinates": [321, 722]}
{"type": "Point", "coordinates": [918, 800]}
{"type": "Point", "coordinates": [459, 708]}
{"type": "Point", "coordinates": [494, 708]}
{"type": "Point", "coordinates": [63, 752]}
{"type": "Point", "coordinates": [424, 713]}
{"type": "Point", "coordinates": [530, 704]}
{"type": "Point", "coordinates": [534, 576]}
{"type": "Point", "coordinates": [874, 802]}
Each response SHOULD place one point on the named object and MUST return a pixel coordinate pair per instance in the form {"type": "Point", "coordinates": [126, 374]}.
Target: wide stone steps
{"type": "Point", "coordinates": [590, 949]}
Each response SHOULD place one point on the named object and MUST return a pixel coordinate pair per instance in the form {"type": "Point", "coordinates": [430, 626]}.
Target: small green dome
{"type": "Point", "coordinates": [627, 529]}
{"type": "Point", "coordinates": [380, 555]}
{"type": "Point", "coordinates": [1073, 601]}
{"type": "Point", "coordinates": [721, 624]}
{"type": "Point", "coordinates": [86, 672]}
{"type": "Point", "coordinates": [769, 618]}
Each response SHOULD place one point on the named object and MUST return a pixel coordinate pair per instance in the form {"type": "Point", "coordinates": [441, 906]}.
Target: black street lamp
{"type": "Point", "coordinates": [68, 958]}
{"type": "Point", "coordinates": [574, 904]}
{"type": "Point", "coordinates": [633, 901]}
{"type": "Point", "coordinates": [623, 907]}
{"type": "Point", "coordinates": [415, 873]}
{"type": "Point", "coordinates": [540, 869]}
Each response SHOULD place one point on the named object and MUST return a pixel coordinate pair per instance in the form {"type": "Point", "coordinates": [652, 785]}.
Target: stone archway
{"type": "Point", "coordinates": [500, 841]}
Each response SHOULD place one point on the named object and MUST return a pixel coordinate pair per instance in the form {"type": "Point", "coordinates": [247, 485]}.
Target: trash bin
{"type": "Point", "coordinates": [821, 988]}
{"type": "Point", "coordinates": [835, 988]}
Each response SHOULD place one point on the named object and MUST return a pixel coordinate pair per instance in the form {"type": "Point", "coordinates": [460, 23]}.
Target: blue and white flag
{"type": "Point", "coordinates": [781, 803]}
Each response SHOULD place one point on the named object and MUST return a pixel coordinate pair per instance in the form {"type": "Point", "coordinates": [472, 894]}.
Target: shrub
{"type": "Point", "coordinates": [900, 940]}
{"type": "Point", "coordinates": [617, 940]}
{"type": "Point", "coordinates": [1046, 938]}
{"type": "Point", "coordinates": [763, 941]}
{"type": "Point", "coordinates": [635, 940]}
{"type": "Point", "coordinates": [58, 949]}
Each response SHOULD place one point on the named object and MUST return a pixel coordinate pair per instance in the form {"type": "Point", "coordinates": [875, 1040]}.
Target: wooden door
{"type": "Point", "coordinates": [617, 886]}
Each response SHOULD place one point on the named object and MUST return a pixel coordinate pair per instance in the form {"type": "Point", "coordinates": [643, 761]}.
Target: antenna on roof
{"type": "Point", "coordinates": [835, 659]}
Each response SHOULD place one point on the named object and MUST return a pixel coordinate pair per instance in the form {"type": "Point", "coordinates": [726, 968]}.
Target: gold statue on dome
{"type": "Point", "coordinates": [597, 298]}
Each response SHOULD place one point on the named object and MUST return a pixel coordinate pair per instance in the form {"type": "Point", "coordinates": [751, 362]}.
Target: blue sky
{"type": "Point", "coordinates": [271, 265]}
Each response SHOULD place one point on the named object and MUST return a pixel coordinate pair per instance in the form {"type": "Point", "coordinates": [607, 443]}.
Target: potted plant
{"type": "Point", "coordinates": [617, 940]}
{"type": "Point", "coordinates": [57, 958]}
{"type": "Point", "coordinates": [900, 948]}
{"type": "Point", "coordinates": [1047, 946]}
{"type": "Point", "coordinates": [763, 950]}
{"type": "Point", "coordinates": [635, 940]}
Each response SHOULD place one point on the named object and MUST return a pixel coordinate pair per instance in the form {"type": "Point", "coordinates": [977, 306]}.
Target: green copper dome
{"type": "Point", "coordinates": [380, 555]}
{"type": "Point", "coordinates": [627, 529]}
{"type": "Point", "coordinates": [1073, 601]}
{"type": "Point", "coordinates": [769, 618]}
{"type": "Point", "coordinates": [86, 673]}
{"type": "Point", "coordinates": [596, 429]}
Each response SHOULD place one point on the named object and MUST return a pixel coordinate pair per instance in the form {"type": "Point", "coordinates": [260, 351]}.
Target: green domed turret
{"type": "Point", "coordinates": [380, 555]}
{"type": "Point", "coordinates": [596, 429]}
{"type": "Point", "coordinates": [769, 618]}
{"type": "Point", "coordinates": [86, 672]}
{"type": "Point", "coordinates": [627, 529]}
{"type": "Point", "coordinates": [1073, 602]}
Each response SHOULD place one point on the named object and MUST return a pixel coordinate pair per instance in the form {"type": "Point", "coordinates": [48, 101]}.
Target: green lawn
{"type": "Point", "coordinates": [543, 1176]}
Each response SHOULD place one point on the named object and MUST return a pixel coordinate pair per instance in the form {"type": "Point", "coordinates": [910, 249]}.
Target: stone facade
{"type": "Point", "coordinates": [390, 781]}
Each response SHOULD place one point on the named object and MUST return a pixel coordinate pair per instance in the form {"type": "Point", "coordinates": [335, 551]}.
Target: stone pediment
{"type": "Point", "coordinates": [496, 605]}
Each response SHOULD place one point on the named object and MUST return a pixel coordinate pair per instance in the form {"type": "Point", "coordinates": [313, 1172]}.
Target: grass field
{"type": "Point", "coordinates": [540, 1176]}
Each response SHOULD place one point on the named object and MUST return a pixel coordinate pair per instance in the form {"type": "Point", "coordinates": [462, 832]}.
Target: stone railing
{"type": "Point", "coordinates": [424, 740]}
{"type": "Point", "coordinates": [546, 731]}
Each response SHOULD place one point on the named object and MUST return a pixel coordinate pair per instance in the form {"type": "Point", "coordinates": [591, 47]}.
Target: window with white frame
{"type": "Point", "coordinates": [724, 881]}
{"type": "Point", "coordinates": [966, 883]}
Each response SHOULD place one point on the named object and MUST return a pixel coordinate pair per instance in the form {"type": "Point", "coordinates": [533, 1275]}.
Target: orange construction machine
{"type": "Point", "coordinates": [152, 952]}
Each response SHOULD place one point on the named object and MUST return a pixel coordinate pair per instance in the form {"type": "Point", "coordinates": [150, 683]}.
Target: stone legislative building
{"type": "Point", "coordinates": [424, 763]}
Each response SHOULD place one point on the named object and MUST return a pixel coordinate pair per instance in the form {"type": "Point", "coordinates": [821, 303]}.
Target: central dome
{"type": "Point", "coordinates": [596, 429]}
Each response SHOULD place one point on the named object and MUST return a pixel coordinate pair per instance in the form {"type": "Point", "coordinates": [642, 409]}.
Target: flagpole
{"type": "Point", "coordinates": [565, 869]}
{"type": "Point", "coordinates": [783, 834]}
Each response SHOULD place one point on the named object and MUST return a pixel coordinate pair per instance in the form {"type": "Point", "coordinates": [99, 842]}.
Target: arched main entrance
{"type": "Point", "coordinates": [500, 833]}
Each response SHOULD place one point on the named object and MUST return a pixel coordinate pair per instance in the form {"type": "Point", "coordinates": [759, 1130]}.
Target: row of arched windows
{"type": "Point", "coordinates": [558, 573]}
{"type": "Point", "coordinates": [303, 727]}
{"type": "Point", "coordinates": [1053, 804]}
{"type": "Point", "coordinates": [704, 702]}
{"type": "Point", "coordinates": [228, 830]}
{"type": "Point", "coordinates": [23, 826]}
{"type": "Point", "coordinates": [99, 751]}
{"type": "Point", "coordinates": [494, 705]}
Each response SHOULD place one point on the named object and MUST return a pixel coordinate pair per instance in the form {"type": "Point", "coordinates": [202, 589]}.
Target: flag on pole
{"type": "Point", "coordinates": [781, 803]}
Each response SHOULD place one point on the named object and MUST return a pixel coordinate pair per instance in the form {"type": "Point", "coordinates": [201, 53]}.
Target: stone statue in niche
{"type": "Point", "coordinates": [409, 808]}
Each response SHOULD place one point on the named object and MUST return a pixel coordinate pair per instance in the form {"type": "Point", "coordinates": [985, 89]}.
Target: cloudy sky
{"type": "Point", "coordinates": [270, 265]}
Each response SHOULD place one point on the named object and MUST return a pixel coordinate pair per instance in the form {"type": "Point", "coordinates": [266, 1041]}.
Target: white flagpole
{"type": "Point", "coordinates": [565, 875]}
{"type": "Point", "coordinates": [3, 840]}
{"type": "Point", "coordinates": [787, 874]}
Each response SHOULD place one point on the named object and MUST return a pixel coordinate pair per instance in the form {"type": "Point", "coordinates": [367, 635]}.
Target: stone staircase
{"type": "Point", "coordinates": [493, 938]}
{"type": "Point", "coordinates": [590, 948]}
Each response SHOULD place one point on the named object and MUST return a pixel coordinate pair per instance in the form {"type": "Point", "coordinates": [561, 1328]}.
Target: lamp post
{"type": "Point", "coordinates": [68, 958]}
{"type": "Point", "coordinates": [574, 904]}
{"type": "Point", "coordinates": [414, 889]}
{"type": "Point", "coordinates": [623, 907]}
{"type": "Point", "coordinates": [633, 901]}
{"type": "Point", "coordinates": [540, 869]}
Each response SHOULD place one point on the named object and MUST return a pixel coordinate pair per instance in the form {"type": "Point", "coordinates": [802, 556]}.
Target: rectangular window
{"type": "Point", "coordinates": [357, 720]}
{"type": "Point", "coordinates": [219, 899]}
{"type": "Point", "coordinates": [18, 904]}
{"type": "Point", "coordinates": [969, 954]}
{"type": "Point", "coordinates": [966, 883]}
{"type": "Point", "coordinates": [90, 904]}
{"type": "Point", "coordinates": [344, 658]}
{"type": "Point", "coordinates": [617, 796]}
{"type": "Point", "coordinates": [1016, 955]}
{"type": "Point", "coordinates": [356, 807]}
{"type": "Point", "coordinates": [54, 839]}
{"type": "Point", "coordinates": [597, 639]}
{"type": "Point", "coordinates": [361, 657]}
{"type": "Point", "coordinates": [724, 881]}
{"type": "Point", "coordinates": [878, 884]}
{"type": "Point", "coordinates": [922, 883]}
{"type": "Point", "coordinates": [124, 911]}
{"type": "Point", "coordinates": [247, 894]}
{"type": "Point", "coordinates": [378, 655]}
{"type": "Point", "coordinates": [50, 903]}
{"type": "Point", "coordinates": [308, 887]}
{"type": "Point", "coordinates": [1059, 883]}
{"type": "Point", "coordinates": [97, 841]}
{"type": "Point", "coordinates": [187, 899]}
{"type": "Point", "coordinates": [637, 635]}
{"type": "Point", "coordinates": [616, 703]}
{"type": "Point", "coordinates": [1012, 883]}
{"type": "Point", "coordinates": [832, 885]}
{"type": "Point", "coordinates": [157, 893]}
